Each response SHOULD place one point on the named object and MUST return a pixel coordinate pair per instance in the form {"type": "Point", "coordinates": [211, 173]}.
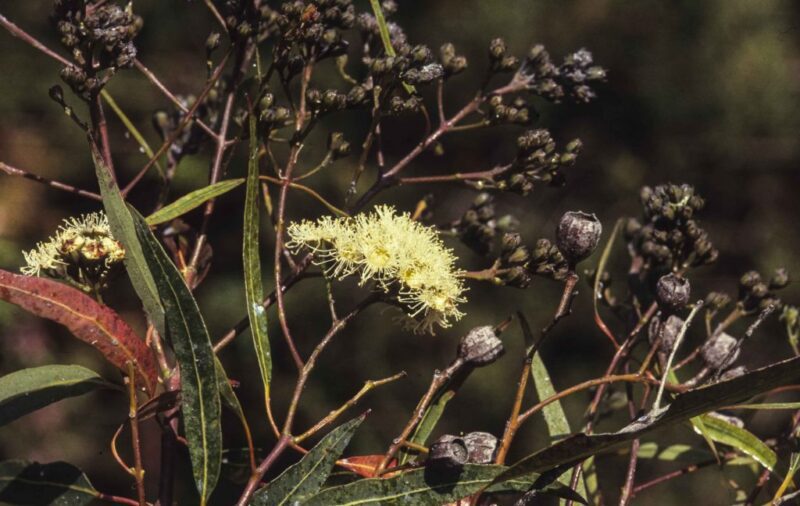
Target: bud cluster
{"type": "Point", "coordinates": [757, 294]}
{"type": "Point", "coordinates": [670, 237]}
{"type": "Point", "coordinates": [537, 161]}
{"type": "Point", "coordinates": [100, 41]}
{"type": "Point", "coordinates": [478, 226]}
{"type": "Point", "coordinates": [570, 79]}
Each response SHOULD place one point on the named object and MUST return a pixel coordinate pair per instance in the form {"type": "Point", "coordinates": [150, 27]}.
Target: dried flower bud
{"type": "Point", "coordinates": [780, 279]}
{"type": "Point", "coordinates": [577, 235]}
{"type": "Point", "coordinates": [212, 42]}
{"type": "Point", "coordinates": [480, 346]}
{"type": "Point", "coordinates": [481, 447]}
{"type": "Point", "coordinates": [448, 452]}
{"type": "Point", "coordinates": [338, 145]}
{"type": "Point", "coordinates": [673, 292]}
{"type": "Point", "coordinates": [716, 350]}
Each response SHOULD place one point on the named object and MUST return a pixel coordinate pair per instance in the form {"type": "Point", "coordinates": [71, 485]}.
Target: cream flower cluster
{"type": "Point", "coordinates": [84, 242]}
{"type": "Point", "coordinates": [401, 255]}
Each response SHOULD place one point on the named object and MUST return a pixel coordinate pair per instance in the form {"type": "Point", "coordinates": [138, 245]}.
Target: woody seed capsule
{"type": "Point", "coordinates": [448, 452]}
{"type": "Point", "coordinates": [672, 292]}
{"type": "Point", "coordinates": [480, 346]}
{"type": "Point", "coordinates": [481, 447]}
{"type": "Point", "coordinates": [577, 235]}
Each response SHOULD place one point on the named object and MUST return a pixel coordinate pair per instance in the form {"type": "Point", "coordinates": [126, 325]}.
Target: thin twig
{"type": "Point", "coordinates": [14, 171]}
{"type": "Point", "coordinates": [135, 441]}
{"type": "Point", "coordinates": [333, 415]}
{"type": "Point", "coordinates": [678, 340]}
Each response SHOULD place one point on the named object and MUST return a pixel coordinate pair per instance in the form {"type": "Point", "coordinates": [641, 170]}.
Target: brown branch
{"type": "Point", "coordinates": [14, 171]}
{"type": "Point", "coordinates": [262, 469]}
{"type": "Point", "coordinates": [165, 91]}
{"type": "Point", "coordinates": [486, 175]}
{"type": "Point", "coordinates": [178, 131]}
{"type": "Point", "coordinates": [440, 378]}
{"type": "Point", "coordinates": [135, 441]}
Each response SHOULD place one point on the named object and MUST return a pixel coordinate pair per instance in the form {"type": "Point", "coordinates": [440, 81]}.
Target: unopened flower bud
{"type": "Point", "coordinates": [481, 447]}
{"type": "Point", "coordinates": [448, 452]}
{"type": "Point", "coordinates": [480, 346]}
{"type": "Point", "coordinates": [577, 235]}
{"type": "Point", "coordinates": [673, 292]}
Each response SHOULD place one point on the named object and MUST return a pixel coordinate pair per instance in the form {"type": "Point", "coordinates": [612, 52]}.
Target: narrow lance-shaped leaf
{"type": "Point", "coordinates": [191, 201]}
{"type": "Point", "coordinates": [743, 440]}
{"type": "Point", "coordinates": [87, 319]}
{"type": "Point", "coordinates": [422, 487]}
{"type": "Point", "coordinates": [124, 231]}
{"type": "Point", "coordinates": [305, 478]}
{"type": "Point", "coordinates": [200, 401]}
{"type": "Point", "coordinates": [25, 391]}
{"type": "Point", "coordinates": [229, 399]}
{"type": "Point", "coordinates": [554, 416]}
{"type": "Point", "coordinates": [684, 407]}
{"type": "Point", "coordinates": [254, 290]}
{"type": "Point", "coordinates": [54, 484]}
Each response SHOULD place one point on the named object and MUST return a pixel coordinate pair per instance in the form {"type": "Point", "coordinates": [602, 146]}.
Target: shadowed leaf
{"type": "Point", "coordinates": [305, 478]}
{"type": "Point", "coordinates": [87, 319]}
{"type": "Point", "coordinates": [200, 400]}
{"type": "Point", "coordinates": [684, 407]}
{"type": "Point", "coordinates": [25, 391]}
{"type": "Point", "coordinates": [191, 201]}
{"type": "Point", "coordinates": [57, 484]}
{"type": "Point", "coordinates": [254, 290]}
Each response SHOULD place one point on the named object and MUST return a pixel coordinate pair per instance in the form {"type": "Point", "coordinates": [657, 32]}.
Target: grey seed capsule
{"type": "Point", "coordinates": [480, 346]}
{"type": "Point", "coordinates": [577, 235]}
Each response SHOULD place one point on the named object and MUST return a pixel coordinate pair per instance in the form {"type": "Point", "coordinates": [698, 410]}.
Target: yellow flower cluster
{"type": "Point", "coordinates": [401, 255]}
{"type": "Point", "coordinates": [84, 242]}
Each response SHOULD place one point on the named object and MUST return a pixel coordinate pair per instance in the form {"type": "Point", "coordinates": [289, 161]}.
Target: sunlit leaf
{"type": "Point", "coordinates": [254, 289]}
{"type": "Point", "coordinates": [422, 487]}
{"type": "Point", "coordinates": [554, 416]}
{"type": "Point", "coordinates": [87, 319]}
{"type": "Point", "coordinates": [121, 221]}
{"type": "Point", "coordinates": [743, 440]}
{"type": "Point", "coordinates": [191, 201]}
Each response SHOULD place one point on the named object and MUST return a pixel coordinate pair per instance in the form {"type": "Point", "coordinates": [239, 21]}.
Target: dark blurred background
{"type": "Point", "coordinates": [705, 93]}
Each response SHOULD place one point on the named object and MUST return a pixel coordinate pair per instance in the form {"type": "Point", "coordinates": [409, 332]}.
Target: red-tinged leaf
{"type": "Point", "coordinates": [364, 465]}
{"type": "Point", "coordinates": [86, 318]}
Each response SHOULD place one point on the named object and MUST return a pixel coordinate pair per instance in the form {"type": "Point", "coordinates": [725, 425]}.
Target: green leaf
{"type": "Point", "coordinates": [421, 487]}
{"type": "Point", "coordinates": [685, 406]}
{"type": "Point", "coordinates": [25, 391]}
{"type": "Point", "coordinates": [673, 453]}
{"type": "Point", "coordinates": [743, 440]}
{"type": "Point", "coordinates": [768, 406]}
{"type": "Point", "coordinates": [34, 484]}
{"type": "Point", "coordinates": [306, 477]}
{"type": "Point", "coordinates": [254, 289]}
{"type": "Point", "coordinates": [229, 399]}
{"type": "Point", "coordinates": [122, 226]}
{"type": "Point", "coordinates": [191, 201]}
{"type": "Point", "coordinates": [383, 29]}
{"type": "Point", "coordinates": [554, 416]}
{"type": "Point", "coordinates": [200, 399]}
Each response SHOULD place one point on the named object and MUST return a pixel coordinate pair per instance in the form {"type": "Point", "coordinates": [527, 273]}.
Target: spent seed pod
{"type": "Point", "coordinates": [481, 447]}
{"type": "Point", "coordinates": [448, 452]}
{"type": "Point", "coordinates": [673, 292]}
{"type": "Point", "coordinates": [577, 235]}
{"type": "Point", "coordinates": [480, 346]}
